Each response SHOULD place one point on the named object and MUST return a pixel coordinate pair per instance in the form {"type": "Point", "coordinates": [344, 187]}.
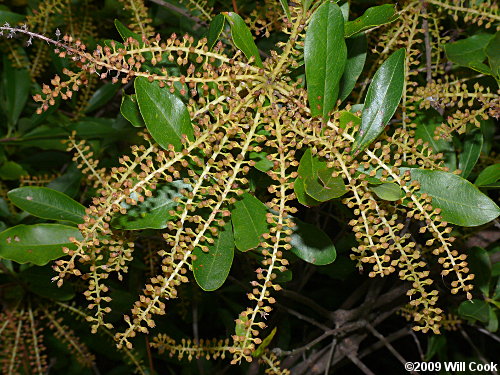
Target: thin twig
{"type": "Point", "coordinates": [417, 343]}
{"type": "Point", "coordinates": [304, 317]}
{"type": "Point", "coordinates": [387, 344]}
{"type": "Point", "coordinates": [150, 357]}
{"type": "Point", "coordinates": [488, 333]}
{"type": "Point", "coordinates": [181, 11]}
{"type": "Point", "coordinates": [332, 332]}
{"type": "Point", "coordinates": [428, 50]}
{"type": "Point", "coordinates": [478, 352]}
{"type": "Point", "coordinates": [330, 356]}
{"type": "Point", "coordinates": [359, 364]}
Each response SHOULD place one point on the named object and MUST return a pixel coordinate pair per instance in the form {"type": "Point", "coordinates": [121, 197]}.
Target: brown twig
{"type": "Point", "coordinates": [181, 11]}
{"type": "Point", "coordinates": [150, 357]}
{"type": "Point", "coordinates": [427, 41]}
{"type": "Point", "coordinates": [387, 344]}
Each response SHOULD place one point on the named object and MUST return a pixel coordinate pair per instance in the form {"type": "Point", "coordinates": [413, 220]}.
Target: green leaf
{"type": "Point", "coordinates": [10, 170]}
{"type": "Point", "coordinates": [382, 99]}
{"type": "Point", "coordinates": [38, 244]}
{"type": "Point", "coordinates": [212, 268]}
{"type": "Point", "coordinates": [478, 260]}
{"type": "Point", "coordinates": [241, 328]}
{"type": "Point", "coordinates": [38, 281]}
{"type": "Point", "coordinates": [306, 4]}
{"type": "Point", "coordinates": [10, 17]}
{"type": "Point", "coordinates": [16, 89]}
{"type": "Point", "coordinates": [460, 201]}
{"type": "Point", "coordinates": [286, 9]}
{"type": "Point", "coordinates": [345, 11]}
{"type": "Point", "coordinates": [265, 343]}
{"type": "Point", "coordinates": [468, 51]}
{"type": "Point", "coordinates": [493, 54]}
{"type": "Point", "coordinates": [324, 187]}
{"type": "Point", "coordinates": [154, 212]}
{"type": "Point", "coordinates": [242, 37]}
{"type": "Point", "coordinates": [69, 182]}
{"type": "Point", "coordinates": [389, 191]}
{"type": "Point", "coordinates": [262, 163]}
{"type": "Point", "coordinates": [165, 115]}
{"type": "Point", "coordinates": [125, 33]}
{"type": "Point", "coordinates": [425, 131]}
{"type": "Point", "coordinates": [214, 30]}
{"type": "Point", "coordinates": [130, 110]}
{"type": "Point", "coordinates": [101, 96]}
{"type": "Point", "coordinates": [356, 57]}
{"type": "Point", "coordinates": [312, 244]}
{"type": "Point", "coordinates": [325, 55]}
{"type": "Point", "coordinates": [374, 16]}
{"type": "Point", "coordinates": [492, 319]}
{"type": "Point", "coordinates": [489, 175]}
{"type": "Point", "coordinates": [347, 117]}
{"type": "Point", "coordinates": [435, 344]}
{"type": "Point", "coordinates": [308, 167]}
{"type": "Point", "coordinates": [47, 204]}
{"type": "Point", "coordinates": [249, 222]}
{"type": "Point", "coordinates": [472, 148]}
{"type": "Point", "coordinates": [476, 309]}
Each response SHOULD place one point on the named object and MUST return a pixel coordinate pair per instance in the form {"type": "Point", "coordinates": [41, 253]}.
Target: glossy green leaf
{"type": "Point", "coordinates": [125, 32]}
{"type": "Point", "coordinates": [240, 328]}
{"type": "Point", "coordinates": [325, 56]}
{"type": "Point", "coordinates": [475, 309]}
{"type": "Point", "coordinates": [348, 117]}
{"type": "Point", "coordinates": [345, 11]}
{"type": "Point", "coordinates": [306, 4]}
{"type": "Point", "coordinates": [374, 16]}
{"type": "Point", "coordinates": [493, 54]}
{"type": "Point", "coordinates": [472, 149]}
{"type": "Point", "coordinates": [211, 269]}
{"type": "Point", "coordinates": [425, 131]}
{"type": "Point", "coordinates": [38, 281]}
{"type": "Point", "coordinates": [154, 212]}
{"type": "Point", "coordinates": [130, 110]}
{"type": "Point", "coordinates": [214, 30]}
{"type": "Point", "coordinates": [388, 191]}
{"type": "Point", "coordinates": [47, 204]}
{"type": "Point", "coordinates": [165, 115]}
{"type": "Point", "coordinates": [68, 183]}
{"type": "Point", "coordinates": [492, 319]}
{"type": "Point", "coordinates": [101, 96]}
{"type": "Point", "coordinates": [265, 343]}
{"type": "Point", "coordinates": [356, 57]}
{"type": "Point", "coordinates": [10, 170]}
{"type": "Point", "coordinates": [262, 163]}
{"type": "Point", "coordinates": [460, 201]}
{"type": "Point", "coordinates": [489, 175]}
{"type": "Point", "coordinates": [382, 99]}
{"type": "Point", "coordinates": [467, 51]}
{"type": "Point", "coordinates": [242, 37]}
{"type": "Point", "coordinates": [481, 68]}
{"type": "Point", "coordinates": [323, 187]}
{"type": "Point", "coordinates": [16, 87]}
{"type": "Point", "coordinates": [312, 244]}
{"type": "Point", "coordinates": [478, 261]}
{"type": "Point", "coordinates": [249, 222]}
{"type": "Point", "coordinates": [286, 8]}
{"type": "Point", "coordinates": [38, 244]}
{"type": "Point", "coordinates": [10, 17]}
{"type": "Point", "coordinates": [435, 345]}
{"type": "Point", "coordinates": [308, 167]}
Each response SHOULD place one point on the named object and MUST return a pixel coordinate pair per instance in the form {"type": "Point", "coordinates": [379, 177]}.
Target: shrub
{"type": "Point", "coordinates": [293, 163]}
